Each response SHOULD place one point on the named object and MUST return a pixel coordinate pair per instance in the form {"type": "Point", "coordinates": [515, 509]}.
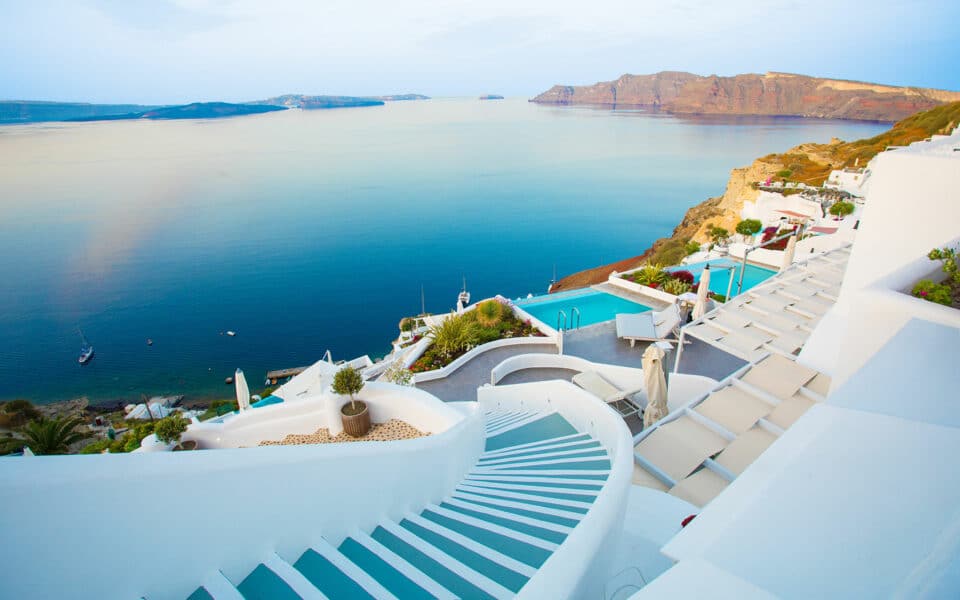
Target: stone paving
{"type": "Point", "coordinates": [392, 430]}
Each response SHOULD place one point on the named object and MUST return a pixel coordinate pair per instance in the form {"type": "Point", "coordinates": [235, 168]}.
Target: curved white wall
{"type": "Point", "coordinates": [207, 510]}
{"type": "Point", "coordinates": [385, 401]}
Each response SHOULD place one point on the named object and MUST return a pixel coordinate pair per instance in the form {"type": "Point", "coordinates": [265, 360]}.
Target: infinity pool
{"type": "Point", "coordinates": [720, 271]}
{"type": "Point", "coordinates": [594, 307]}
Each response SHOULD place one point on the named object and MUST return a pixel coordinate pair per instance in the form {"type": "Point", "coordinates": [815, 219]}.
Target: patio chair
{"type": "Point", "coordinates": [649, 326]}
{"type": "Point", "coordinates": [619, 400]}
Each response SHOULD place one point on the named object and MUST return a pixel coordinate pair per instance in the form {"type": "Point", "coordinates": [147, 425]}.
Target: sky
{"type": "Point", "coordinates": [171, 51]}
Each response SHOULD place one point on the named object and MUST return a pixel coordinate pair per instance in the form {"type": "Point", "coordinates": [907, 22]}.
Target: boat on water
{"type": "Point", "coordinates": [464, 298]}
{"type": "Point", "coordinates": [86, 351]}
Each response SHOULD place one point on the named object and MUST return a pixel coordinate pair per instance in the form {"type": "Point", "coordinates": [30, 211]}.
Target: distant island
{"type": "Point", "coordinates": [32, 111]}
{"type": "Point", "coordinates": [196, 110]}
{"type": "Point", "coordinates": [491, 97]}
{"type": "Point", "coordinates": [778, 94]}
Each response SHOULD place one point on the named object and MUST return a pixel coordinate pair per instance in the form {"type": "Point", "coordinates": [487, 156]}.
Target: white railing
{"type": "Point", "coordinates": [175, 518]}
{"type": "Point", "coordinates": [579, 566]}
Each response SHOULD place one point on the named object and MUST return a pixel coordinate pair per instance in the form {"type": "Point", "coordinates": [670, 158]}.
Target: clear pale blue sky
{"type": "Point", "coordinates": [167, 51]}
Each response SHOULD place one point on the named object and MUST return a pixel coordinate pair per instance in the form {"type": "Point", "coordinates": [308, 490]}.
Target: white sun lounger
{"type": "Point", "coordinates": [648, 326]}
{"type": "Point", "coordinates": [619, 400]}
{"type": "Point", "coordinates": [700, 488]}
{"type": "Point", "coordinates": [742, 451]}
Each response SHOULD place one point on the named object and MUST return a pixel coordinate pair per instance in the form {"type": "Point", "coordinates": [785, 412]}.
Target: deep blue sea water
{"type": "Point", "coordinates": [312, 230]}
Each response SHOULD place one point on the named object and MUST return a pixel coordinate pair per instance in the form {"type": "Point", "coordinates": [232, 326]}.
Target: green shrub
{"type": "Point", "coordinates": [96, 447]}
{"type": "Point", "coordinates": [169, 429]}
{"type": "Point", "coordinates": [454, 335]}
{"type": "Point", "coordinates": [749, 227]}
{"type": "Point", "coordinates": [17, 413]}
{"type": "Point", "coordinates": [718, 234]}
{"type": "Point", "coordinates": [933, 292]}
{"type": "Point", "coordinates": [948, 256]}
{"type": "Point", "coordinates": [489, 313]}
{"type": "Point", "coordinates": [784, 173]}
{"type": "Point", "coordinates": [691, 247]}
{"type": "Point", "coordinates": [650, 274]}
{"type": "Point", "coordinates": [676, 287]}
{"type": "Point", "coordinates": [841, 209]}
{"type": "Point", "coordinates": [53, 436]}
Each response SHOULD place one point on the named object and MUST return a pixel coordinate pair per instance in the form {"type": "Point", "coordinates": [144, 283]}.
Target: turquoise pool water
{"type": "Point", "coordinates": [720, 272]}
{"type": "Point", "coordinates": [594, 307]}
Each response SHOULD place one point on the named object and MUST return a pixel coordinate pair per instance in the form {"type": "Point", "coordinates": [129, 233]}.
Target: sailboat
{"type": "Point", "coordinates": [464, 298]}
{"type": "Point", "coordinates": [86, 350]}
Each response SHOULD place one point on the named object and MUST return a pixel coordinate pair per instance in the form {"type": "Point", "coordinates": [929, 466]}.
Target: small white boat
{"type": "Point", "coordinates": [231, 333]}
{"type": "Point", "coordinates": [86, 350]}
{"type": "Point", "coordinates": [464, 298]}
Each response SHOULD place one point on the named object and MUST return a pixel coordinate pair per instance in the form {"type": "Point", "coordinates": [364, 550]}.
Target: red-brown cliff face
{"type": "Point", "coordinates": [752, 94]}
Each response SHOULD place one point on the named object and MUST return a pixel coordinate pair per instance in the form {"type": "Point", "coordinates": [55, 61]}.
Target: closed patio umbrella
{"type": "Point", "coordinates": [789, 252]}
{"type": "Point", "coordinates": [656, 384]}
{"type": "Point", "coordinates": [700, 307]}
{"type": "Point", "coordinates": [243, 391]}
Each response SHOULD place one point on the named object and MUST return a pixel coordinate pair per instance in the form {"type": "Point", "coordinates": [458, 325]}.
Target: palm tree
{"type": "Point", "coordinates": [53, 436]}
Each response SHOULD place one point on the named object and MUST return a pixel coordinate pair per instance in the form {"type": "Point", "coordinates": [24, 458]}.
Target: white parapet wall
{"type": "Point", "coordinates": [165, 521]}
{"type": "Point", "coordinates": [616, 280]}
{"type": "Point", "coordinates": [580, 566]}
{"type": "Point", "coordinates": [385, 401]}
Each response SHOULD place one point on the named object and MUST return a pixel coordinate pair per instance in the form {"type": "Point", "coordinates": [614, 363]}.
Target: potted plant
{"type": "Point", "coordinates": [169, 429]}
{"type": "Point", "coordinates": [355, 416]}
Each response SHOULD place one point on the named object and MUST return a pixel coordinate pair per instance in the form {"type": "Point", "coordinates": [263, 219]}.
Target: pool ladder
{"type": "Point", "coordinates": [574, 319]}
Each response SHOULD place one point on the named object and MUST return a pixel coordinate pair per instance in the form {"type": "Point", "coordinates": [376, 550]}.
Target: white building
{"type": "Point", "coordinates": [852, 181]}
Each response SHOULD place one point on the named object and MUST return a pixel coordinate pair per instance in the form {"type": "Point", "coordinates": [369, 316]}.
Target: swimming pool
{"type": "Point", "coordinates": [594, 307]}
{"type": "Point", "coordinates": [720, 273]}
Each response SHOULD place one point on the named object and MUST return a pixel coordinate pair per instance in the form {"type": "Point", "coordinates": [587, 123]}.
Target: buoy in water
{"type": "Point", "coordinates": [228, 380]}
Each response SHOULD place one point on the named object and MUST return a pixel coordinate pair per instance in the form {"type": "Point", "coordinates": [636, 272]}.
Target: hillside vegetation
{"type": "Point", "coordinates": [806, 163]}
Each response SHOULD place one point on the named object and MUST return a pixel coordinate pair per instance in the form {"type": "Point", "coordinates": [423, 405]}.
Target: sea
{"type": "Point", "coordinates": [309, 231]}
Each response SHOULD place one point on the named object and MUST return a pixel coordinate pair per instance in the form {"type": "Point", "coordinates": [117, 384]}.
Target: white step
{"type": "Point", "coordinates": [556, 512]}
{"type": "Point", "coordinates": [514, 450]}
{"type": "Point", "coordinates": [485, 551]}
{"type": "Point", "coordinates": [504, 419]}
{"type": "Point", "coordinates": [533, 489]}
{"type": "Point", "coordinates": [524, 496]}
{"type": "Point", "coordinates": [509, 515]}
{"type": "Point", "coordinates": [556, 440]}
{"type": "Point", "coordinates": [499, 529]}
{"type": "Point", "coordinates": [495, 431]}
{"type": "Point", "coordinates": [481, 581]}
{"type": "Point", "coordinates": [577, 474]}
{"type": "Point", "coordinates": [294, 578]}
{"type": "Point", "coordinates": [533, 480]}
{"type": "Point", "coordinates": [508, 460]}
{"type": "Point", "coordinates": [534, 461]}
{"type": "Point", "coordinates": [351, 570]}
{"type": "Point", "coordinates": [218, 586]}
{"type": "Point", "coordinates": [409, 571]}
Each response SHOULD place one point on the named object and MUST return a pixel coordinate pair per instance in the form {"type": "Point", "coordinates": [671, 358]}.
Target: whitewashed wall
{"type": "Point", "coordinates": [155, 524]}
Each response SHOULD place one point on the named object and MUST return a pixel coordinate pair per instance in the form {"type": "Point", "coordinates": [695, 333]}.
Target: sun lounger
{"type": "Point", "coordinates": [619, 400]}
{"type": "Point", "coordinates": [700, 488]}
{"type": "Point", "coordinates": [680, 446]}
{"type": "Point", "coordinates": [734, 409]}
{"type": "Point", "coordinates": [742, 451]}
{"type": "Point", "coordinates": [787, 412]}
{"type": "Point", "coordinates": [648, 326]}
{"type": "Point", "coordinates": [778, 376]}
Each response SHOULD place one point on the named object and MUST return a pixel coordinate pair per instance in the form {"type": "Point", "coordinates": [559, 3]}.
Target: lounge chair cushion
{"type": "Point", "coordinates": [700, 488]}
{"type": "Point", "coordinates": [734, 409]}
{"type": "Point", "coordinates": [779, 376]}
{"type": "Point", "coordinates": [787, 412]}
{"type": "Point", "coordinates": [680, 446]}
{"type": "Point", "coordinates": [742, 451]}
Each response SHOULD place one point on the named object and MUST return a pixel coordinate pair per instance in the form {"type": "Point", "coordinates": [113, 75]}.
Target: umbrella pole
{"type": "Point", "coordinates": [676, 363]}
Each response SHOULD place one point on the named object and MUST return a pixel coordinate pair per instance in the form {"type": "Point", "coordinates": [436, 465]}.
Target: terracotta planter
{"type": "Point", "coordinates": [356, 425]}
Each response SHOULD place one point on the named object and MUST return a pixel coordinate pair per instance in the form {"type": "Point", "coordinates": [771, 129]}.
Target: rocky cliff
{"type": "Point", "coordinates": [806, 163]}
{"type": "Point", "coordinates": [752, 94]}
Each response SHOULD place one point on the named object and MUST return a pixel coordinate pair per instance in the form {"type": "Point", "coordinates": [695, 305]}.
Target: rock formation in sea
{"type": "Point", "coordinates": [781, 94]}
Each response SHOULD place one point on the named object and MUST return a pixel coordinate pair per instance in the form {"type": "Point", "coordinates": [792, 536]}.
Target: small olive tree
{"type": "Point", "coordinates": [841, 209]}
{"type": "Point", "coordinates": [749, 227]}
{"type": "Point", "coordinates": [169, 429]}
{"type": "Point", "coordinates": [348, 381]}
